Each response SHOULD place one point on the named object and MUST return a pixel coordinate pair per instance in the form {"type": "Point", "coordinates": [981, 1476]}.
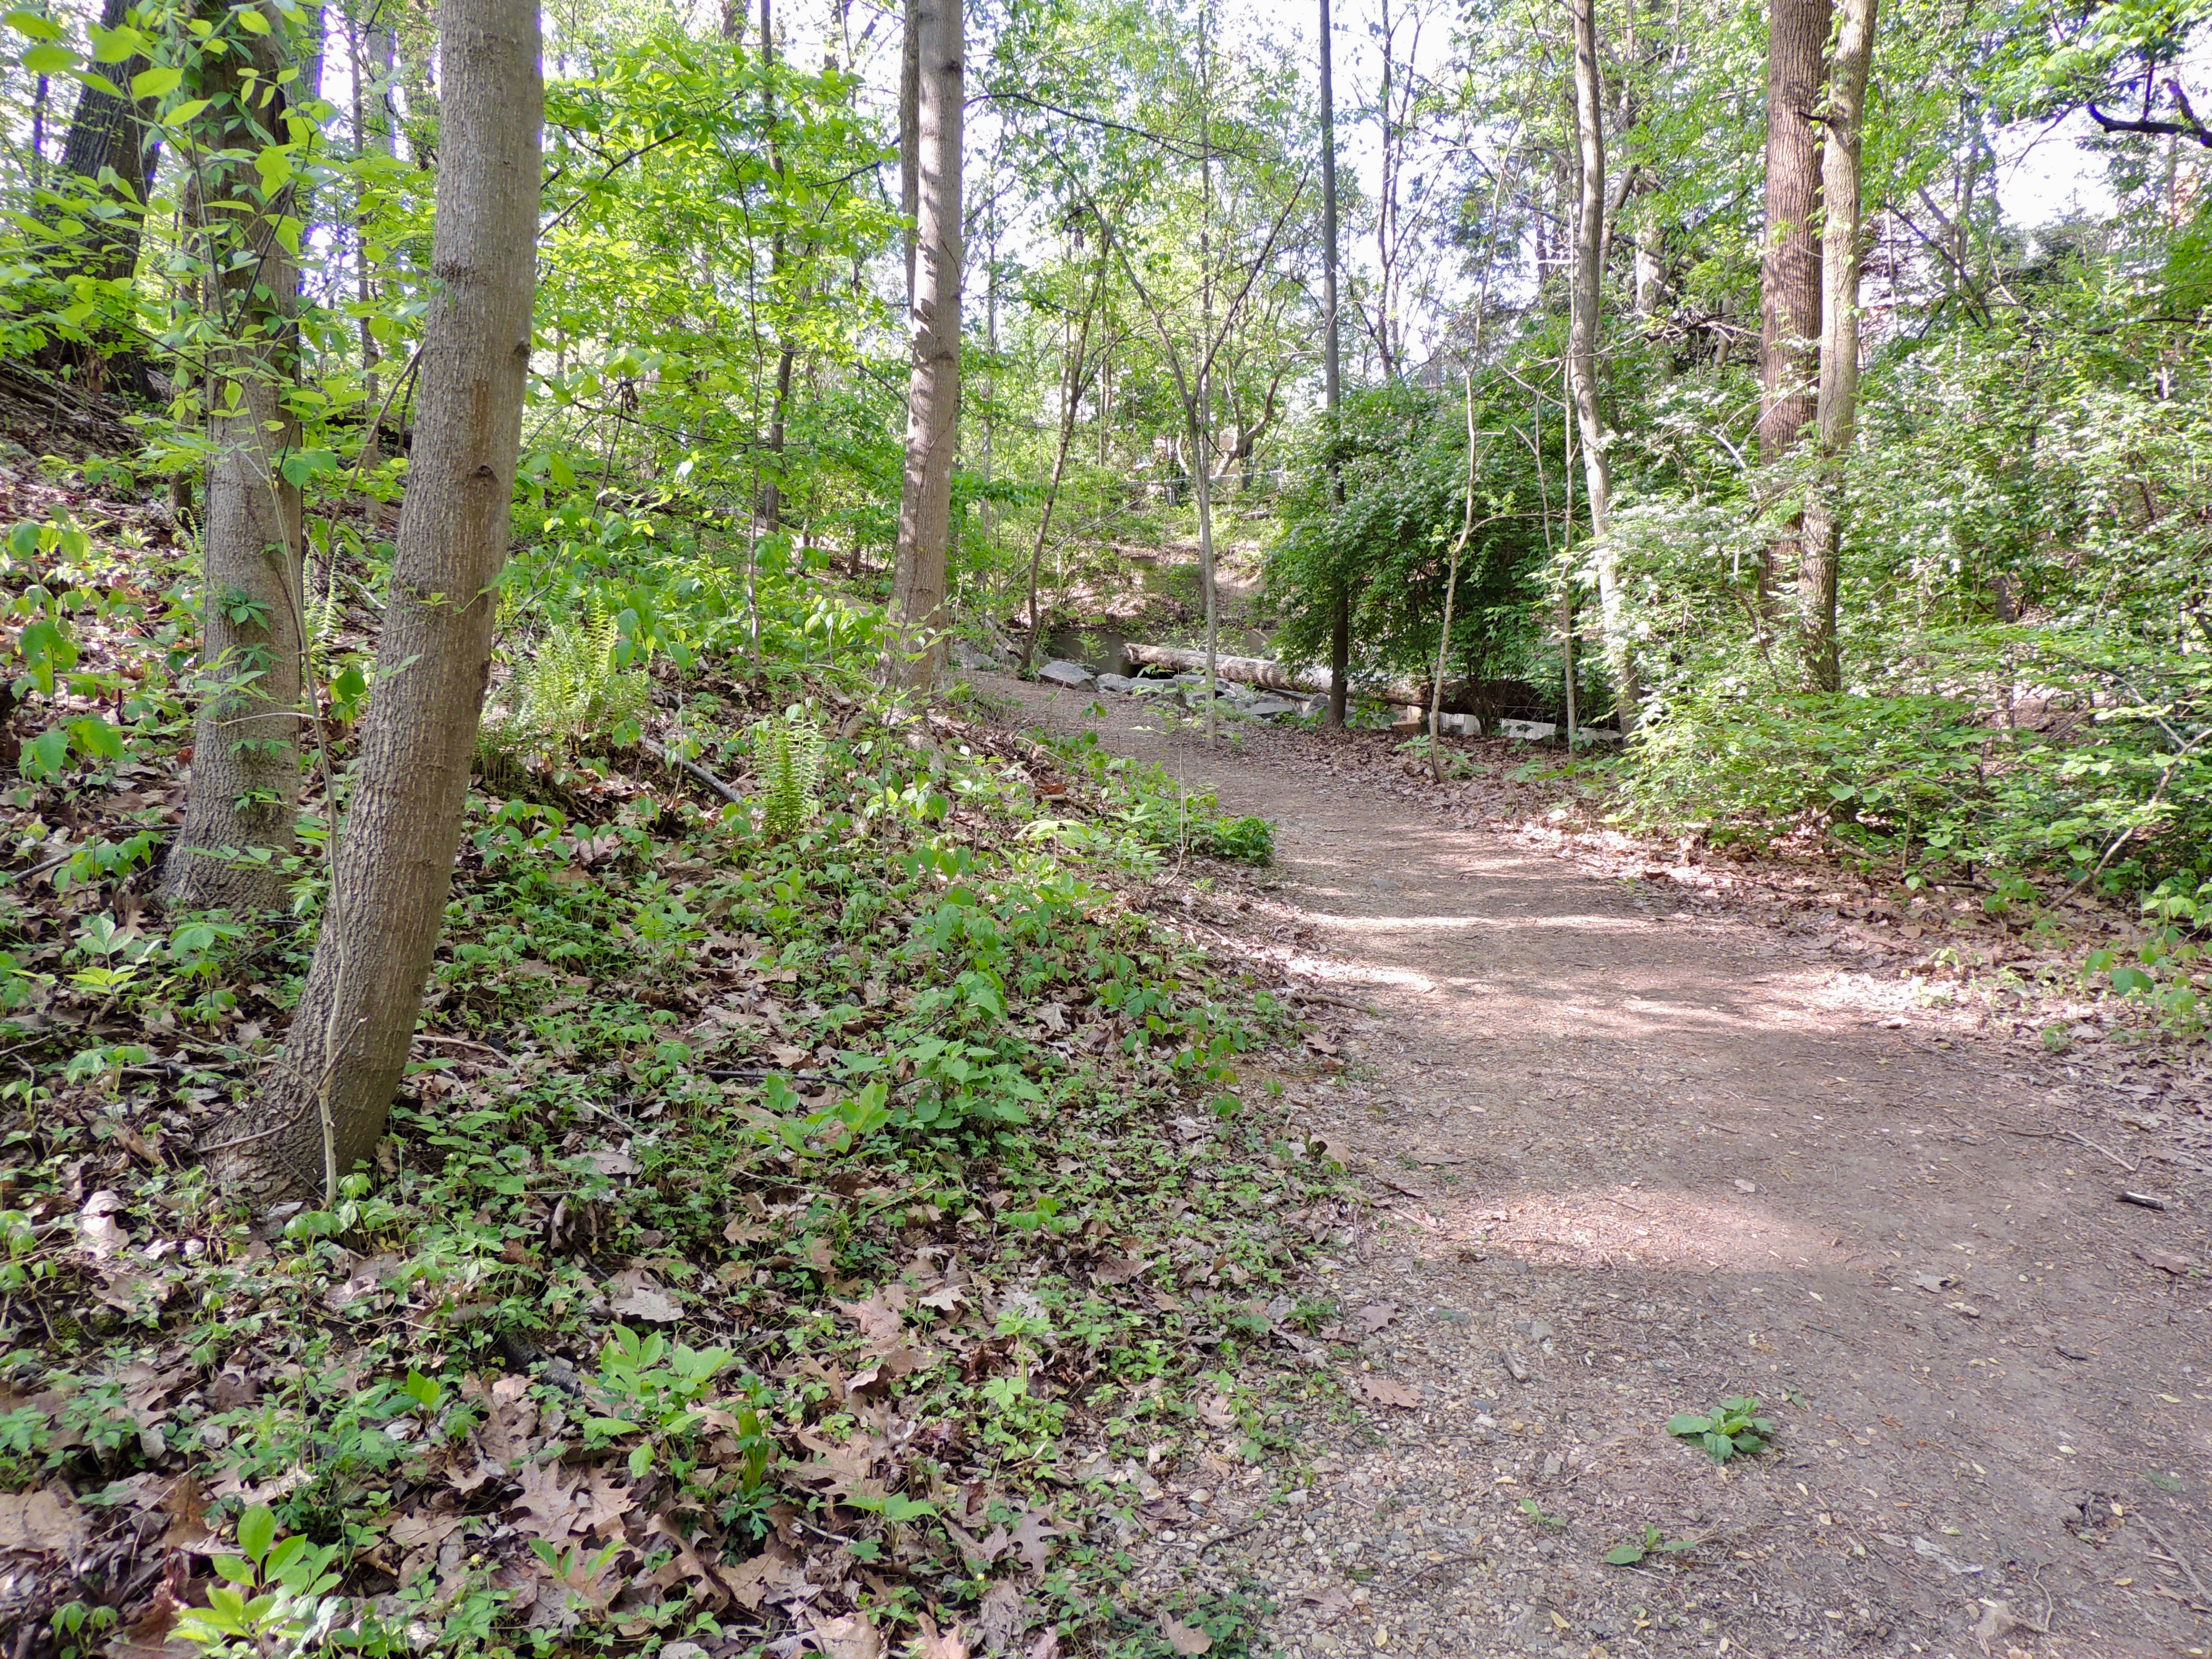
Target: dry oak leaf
{"type": "Point", "coordinates": [932, 1643]}
{"type": "Point", "coordinates": [1033, 1539]}
{"type": "Point", "coordinates": [632, 1294]}
{"type": "Point", "coordinates": [1186, 1639]}
{"type": "Point", "coordinates": [602, 1503]}
{"type": "Point", "coordinates": [1388, 1391]}
{"type": "Point", "coordinates": [547, 1508]}
{"type": "Point", "coordinates": [510, 1418]}
{"type": "Point", "coordinates": [710, 1581]}
{"type": "Point", "coordinates": [852, 1636]}
{"type": "Point", "coordinates": [2166, 1260]}
{"type": "Point", "coordinates": [764, 1577]}
{"type": "Point", "coordinates": [1046, 1646]}
{"type": "Point", "coordinates": [1374, 1316]}
{"type": "Point", "coordinates": [42, 1520]}
{"type": "Point", "coordinates": [881, 1317]}
{"type": "Point", "coordinates": [1002, 1617]}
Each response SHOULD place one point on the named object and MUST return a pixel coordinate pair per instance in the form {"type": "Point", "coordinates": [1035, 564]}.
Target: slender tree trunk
{"type": "Point", "coordinates": [787, 348]}
{"type": "Point", "coordinates": [1339, 621]}
{"type": "Point", "coordinates": [244, 790]}
{"type": "Point", "coordinates": [1789, 263]}
{"type": "Point", "coordinates": [1836, 409]}
{"type": "Point", "coordinates": [1072, 383]}
{"type": "Point", "coordinates": [910, 50]}
{"type": "Point", "coordinates": [1451, 593]}
{"type": "Point", "coordinates": [106, 134]}
{"type": "Point", "coordinates": [323, 1108]}
{"type": "Point", "coordinates": [932, 424]}
{"type": "Point", "coordinates": [372, 137]}
{"type": "Point", "coordinates": [1582, 358]}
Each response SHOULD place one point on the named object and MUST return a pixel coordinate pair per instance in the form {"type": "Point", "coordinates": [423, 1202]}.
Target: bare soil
{"type": "Point", "coordinates": [1633, 1148]}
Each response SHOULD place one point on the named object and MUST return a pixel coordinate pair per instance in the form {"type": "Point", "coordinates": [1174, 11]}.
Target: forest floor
{"type": "Point", "coordinates": [1634, 1145]}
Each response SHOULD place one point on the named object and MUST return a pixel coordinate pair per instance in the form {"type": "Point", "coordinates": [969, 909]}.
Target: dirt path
{"type": "Point", "coordinates": [1632, 1154]}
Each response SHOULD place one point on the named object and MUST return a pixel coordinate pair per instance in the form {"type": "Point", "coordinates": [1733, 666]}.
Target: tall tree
{"type": "Point", "coordinates": [1581, 353]}
{"type": "Point", "coordinates": [1790, 255]}
{"type": "Point", "coordinates": [240, 808]}
{"type": "Point", "coordinates": [1836, 409]}
{"type": "Point", "coordinates": [1340, 632]}
{"type": "Point", "coordinates": [323, 1107]}
{"type": "Point", "coordinates": [933, 423]}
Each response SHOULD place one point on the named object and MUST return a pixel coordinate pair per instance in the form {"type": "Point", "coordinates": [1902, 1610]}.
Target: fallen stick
{"type": "Point", "coordinates": [696, 770]}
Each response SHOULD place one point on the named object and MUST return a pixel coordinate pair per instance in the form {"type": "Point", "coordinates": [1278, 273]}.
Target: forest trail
{"type": "Point", "coordinates": [1631, 1154]}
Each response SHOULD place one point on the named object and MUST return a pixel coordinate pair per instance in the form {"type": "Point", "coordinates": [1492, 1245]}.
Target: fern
{"type": "Point", "coordinates": [568, 690]}
{"type": "Point", "coordinates": [787, 754]}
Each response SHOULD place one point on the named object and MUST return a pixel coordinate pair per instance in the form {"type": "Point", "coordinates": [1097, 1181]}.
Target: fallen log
{"type": "Point", "coordinates": [1490, 700]}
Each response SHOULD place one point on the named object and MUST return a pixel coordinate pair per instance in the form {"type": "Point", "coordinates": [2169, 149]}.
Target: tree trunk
{"type": "Point", "coordinates": [245, 743]}
{"type": "Point", "coordinates": [1073, 376]}
{"type": "Point", "coordinates": [771, 501]}
{"type": "Point", "coordinates": [1582, 358]}
{"type": "Point", "coordinates": [933, 421]}
{"type": "Point", "coordinates": [910, 136]}
{"type": "Point", "coordinates": [323, 1108]}
{"type": "Point", "coordinates": [1789, 262]}
{"type": "Point", "coordinates": [1837, 407]}
{"type": "Point", "coordinates": [372, 138]}
{"type": "Point", "coordinates": [1340, 628]}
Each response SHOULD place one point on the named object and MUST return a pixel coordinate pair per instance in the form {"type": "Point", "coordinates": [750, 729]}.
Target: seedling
{"type": "Point", "coordinates": [1534, 1511]}
{"type": "Point", "coordinates": [1655, 1543]}
{"type": "Point", "coordinates": [1732, 1429]}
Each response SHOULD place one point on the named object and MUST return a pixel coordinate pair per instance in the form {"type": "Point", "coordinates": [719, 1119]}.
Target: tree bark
{"type": "Point", "coordinates": [243, 794]}
{"type": "Point", "coordinates": [1582, 358]}
{"type": "Point", "coordinates": [1789, 260]}
{"type": "Point", "coordinates": [932, 424]}
{"type": "Point", "coordinates": [323, 1106]}
{"type": "Point", "coordinates": [910, 136]}
{"type": "Point", "coordinates": [1340, 621]}
{"type": "Point", "coordinates": [1837, 407]}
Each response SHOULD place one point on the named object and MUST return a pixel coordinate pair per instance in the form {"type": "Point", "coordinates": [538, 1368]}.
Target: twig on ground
{"type": "Point", "coordinates": [694, 768]}
{"type": "Point", "coordinates": [2177, 1558]}
{"type": "Point", "coordinates": [2078, 1139]}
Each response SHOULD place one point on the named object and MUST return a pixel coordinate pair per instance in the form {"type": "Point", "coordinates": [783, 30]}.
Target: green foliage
{"type": "Point", "coordinates": [566, 690]}
{"type": "Point", "coordinates": [1654, 1542]}
{"type": "Point", "coordinates": [1535, 1513]}
{"type": "Point", "coordinates": [1242, 841]}
{"type": "Point", "coordinates": [787, 755]}
{"type": "Point", "coordinates": [1732, 1429]}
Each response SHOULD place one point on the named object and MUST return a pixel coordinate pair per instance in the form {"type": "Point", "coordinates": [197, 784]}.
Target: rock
{"type": "Point", "coordinates": [1071, 674]}
{"type": "Point", "coordinates": [1268, 708]}
{"type": "Point", "coordinates": [967, 654]}
{"type": "Point", "coordinates": [1596, 734]}
{"type": "Point", "coordinates": [1121, 683]}
{"type": "Point", "coordinates": [1528, 731]}
{"type": "Point", "coordinates": [1459, 725]}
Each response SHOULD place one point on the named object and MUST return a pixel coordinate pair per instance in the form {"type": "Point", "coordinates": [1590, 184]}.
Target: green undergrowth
{"type": "Point", "coordinates": [842, 1204]}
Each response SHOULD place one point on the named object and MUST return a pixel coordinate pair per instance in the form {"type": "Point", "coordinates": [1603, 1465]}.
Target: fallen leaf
{"type": "Point", "coordinates": [509, 1420]}
{"type": "Point", "coordinates": [1033, 1539]}
{"type": "Point", "coordinates": [1046, 1646]}
{"type": "Point", "coordinates": [1932, 1282]}
{"type": "Point", "coordinates": [612, 1161]}
{"type": "Point", "coordinates": [1186, 1639]}
{"type": "Point", "coordinates": [881, 1317]}
{"type": "Point", "coordinates": [645, 1302]}
{"type": "Point", "coordinates": [764, 1576]}
{"type": "Point", "coordinates": [548, 1503]}
{"type": "Point", "coordinates": [2166, 1260]}
{"type": "Point", "coordinates": [854, 1636]}
{"type": "Point", "coordinates": [934, 1645]}
{"type": "Point", "coordinates": [1376, 1315]}
{"type": "Point", "coordinates": [1743, 1186]}
{"type": "Point", "coordinates": [1053, 1016]}
{"type": "Point", "coordinates": [103, 1235]}
{"type": "Point", "coordinates": [40, 1520]}
{"type": "Point", "coordinates": [1388, 1391]}
{"type": "Point", "coordinates": [1320, 1044]}
{"type": "Point", "coordinates": [1001, 1618]}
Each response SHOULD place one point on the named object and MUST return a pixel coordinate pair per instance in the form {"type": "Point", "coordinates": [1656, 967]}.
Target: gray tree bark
{"type": "Point", "coordinates": [1340, 620]}
{"type": "Point", "coordinates": [1789, 261]}
{"type": "Point", "coordinates": [933, 423]}
{"type": "Point", "coordinates": [323, 1106]}
{"type": "Point", "coordinates": [1835, 410]}
{"type": "Point", "coordinates": [1582, 357]}
{"type": "Point", "coordinates": [243, 796]}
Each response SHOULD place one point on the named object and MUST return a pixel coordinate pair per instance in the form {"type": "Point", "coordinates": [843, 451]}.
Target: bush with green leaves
{"type": "Point", "coordinates": [1732, 1429]}
{"type": "Point", "coordinates": [787, 758]}
{"type": "Point", "coordinates": [567, 688]}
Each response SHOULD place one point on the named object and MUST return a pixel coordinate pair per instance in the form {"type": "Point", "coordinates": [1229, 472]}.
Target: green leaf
{"type": "Point", "coordinates": [30, 23]}
{"type": "Point", "coordinates": [251, 19]}
{"type": "Point", "coordinates": [256, 1531]}
{"type": "Point", "coordinates": [1688, 1423]}
{"type": "Point", "coordinates": [187, 110]}
{"type": "Point", "coordinates": [117, 45]}
{"type": "Point", "coordinates": [48, 58]}
{"type": "Point", "coordinates": [1719, 1447]}
{"type": "Point", "coordinates": [95, 739]}
{"type": "Point", "coordinates": [1624, 1555]}
{"type": "Point", "coordinates": [156, 82]}
{"type": "Point", "coordinates": [42, 756]}
{"type": "Point", "coordinates": [1676, 1545]}
{"type": "Point", "coordinates": [2131, 982]}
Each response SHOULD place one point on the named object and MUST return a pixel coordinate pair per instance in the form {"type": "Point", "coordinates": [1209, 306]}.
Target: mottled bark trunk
{"type": "Point", "coordinates": [1332, 359]}
{"type": "Point", "coordinates": [1837, 407]}
{"type": "Point", "coordinates": [244, 790]}
{"type": "Point", "coordinates": [932, 424]}
{"type": "Point", "coordinates": [1789, 260]}
{"type": "Point", "coordinates": [910, 135]}
{"type": "Point", "coordinates": [1583, 295]}
{"type": "Point", "coordinates": [324, 1105]}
